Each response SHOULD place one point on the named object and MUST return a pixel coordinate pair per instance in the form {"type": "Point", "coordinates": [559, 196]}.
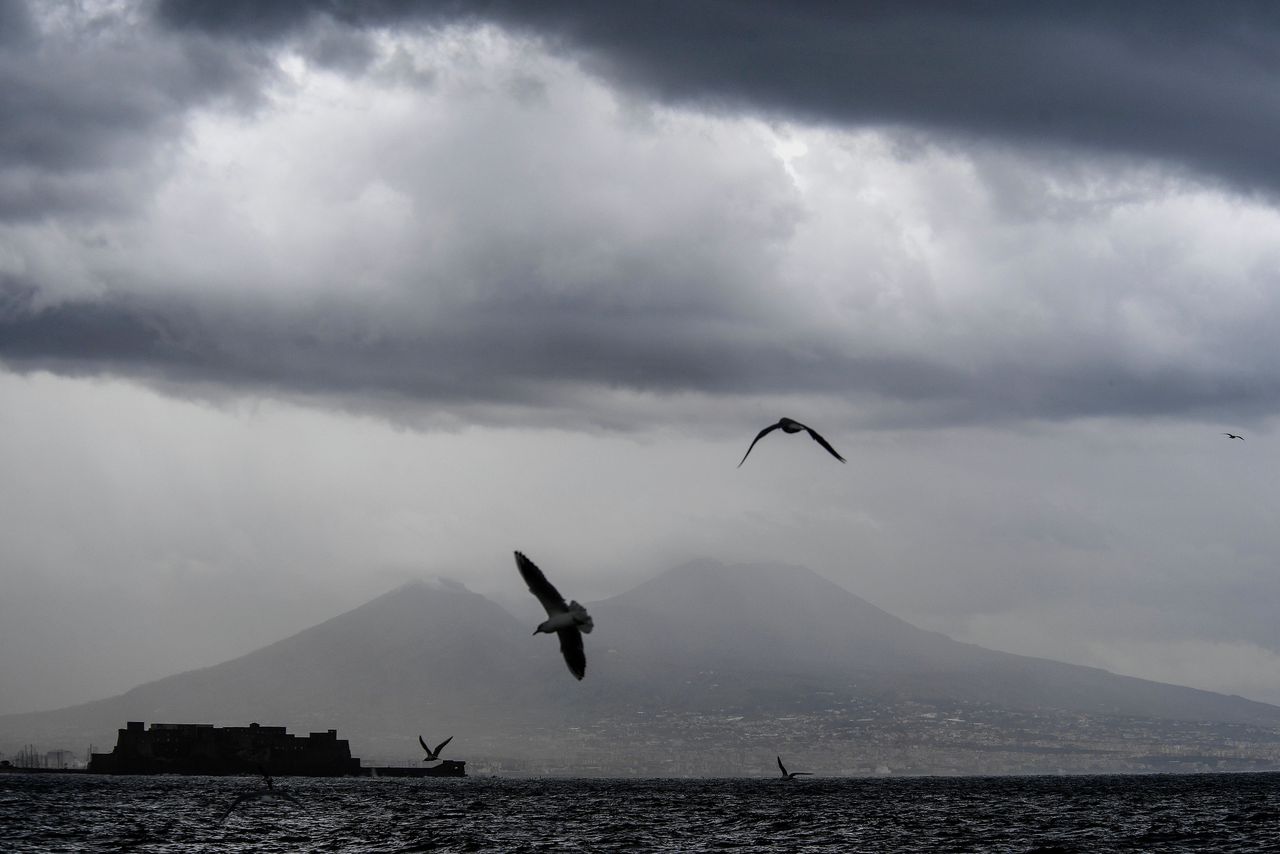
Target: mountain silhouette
{"type": "Point", "coordinates": [753, 623]}
{"type": "Point", "coordinates": [421, 655]}
{"type": "Point", "coordinates": [704, 638]}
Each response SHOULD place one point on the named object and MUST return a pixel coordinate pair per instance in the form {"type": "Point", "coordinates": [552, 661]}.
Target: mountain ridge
{"type": "Point", "coordinates": [705, 640]}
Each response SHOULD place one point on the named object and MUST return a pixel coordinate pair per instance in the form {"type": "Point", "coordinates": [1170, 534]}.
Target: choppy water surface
{"type": "Point", "coordinates": [47, 813]}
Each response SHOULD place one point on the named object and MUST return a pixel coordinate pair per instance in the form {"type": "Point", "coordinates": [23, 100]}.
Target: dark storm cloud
{"type": "Point", "coordinates": [89, 103]}
{"type": "Point", "coordinates": [538, 355]}
{"type": "Point", "coordinates": [477, 353]}
{"type": "Point", "coordinates": [339, 49]}
{"type": "Point", "coordinates": [1194, 83]}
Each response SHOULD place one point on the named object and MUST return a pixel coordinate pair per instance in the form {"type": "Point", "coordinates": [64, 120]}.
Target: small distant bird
{"type": "Point", "coordinates": [269, 792]}
{"type": "Point", "coordinates": [789, 426]}
{"type": "Point", "coordinates": [433, 755]}
{"type": "Point", "coordinates": [793, 774]}
{"type": "Point", "coordinates": [1234, 436]}
{"type": "Point", "coordinates": [567, 621]}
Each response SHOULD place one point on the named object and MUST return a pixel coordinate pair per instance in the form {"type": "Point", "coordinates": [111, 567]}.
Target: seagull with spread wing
{"type": "Point", "coordinates": [433, 755]}
{"type": "Point", "coordinates": [567, 621]}
{"type": "Point", "coordinates": [794, 774]}
{"type": "Point", "coordinates": [789, 426]}
{"type": "Point", "coordinates": [1234, 436]}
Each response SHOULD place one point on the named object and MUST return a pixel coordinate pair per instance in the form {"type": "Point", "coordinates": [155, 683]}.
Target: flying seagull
{"type": "Point", "coordinates": [433, 755]}
{"type": "Point", "coordinates": [567, 621]}
{"type": "Point", "coordinates": [1234, 436]}
{"type": "Point", "coordinates": [793, 774]}
{"type": "Point", "coordinates": [789, 426]}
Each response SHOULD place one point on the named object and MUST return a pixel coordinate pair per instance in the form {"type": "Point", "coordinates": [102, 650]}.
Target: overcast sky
{"type": "Point", "coordinates": [300, 301]}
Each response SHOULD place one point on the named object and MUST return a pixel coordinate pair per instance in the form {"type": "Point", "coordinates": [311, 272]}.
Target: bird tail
{"type": "Point", "coordinates": [581, 618]}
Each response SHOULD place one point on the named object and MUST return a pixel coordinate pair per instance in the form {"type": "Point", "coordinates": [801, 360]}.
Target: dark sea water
{"type": "Point", "coordinates": [1211, 812]}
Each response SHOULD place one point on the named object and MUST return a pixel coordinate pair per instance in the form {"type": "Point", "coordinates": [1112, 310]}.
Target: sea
{"type": "Point", "coordinates": [1159, 813]}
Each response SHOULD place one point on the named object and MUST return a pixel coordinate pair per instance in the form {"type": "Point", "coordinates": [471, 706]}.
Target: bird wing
{"type": "Point", "coordinates": [540, 587]}
{"type": "Point", "coordinates": [251, 796]}
{"type": "Point", "coordinates": [275, 794]}
{"type": "Point", "coordinates": [440, 747]}
{"type": "Point", "coordinates": [823, 442]}
{"type": "Point", "coordinates": [765, 432]}
{"type": "Point", "coordinates": [781, 766]}
{"type": "Point", "coordinates": [424, 745]}
{"type": "Point", "coordinates": [232, 808]}
{"type": "Point", "coordinates": [571, 649]}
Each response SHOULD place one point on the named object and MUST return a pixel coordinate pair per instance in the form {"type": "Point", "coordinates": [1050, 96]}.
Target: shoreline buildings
{"type": "Point", "coordinates": [207, 749]}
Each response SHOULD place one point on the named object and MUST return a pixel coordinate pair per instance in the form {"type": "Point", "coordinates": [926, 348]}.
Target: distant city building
{"type": "Point", "coordinates": [206, 749]}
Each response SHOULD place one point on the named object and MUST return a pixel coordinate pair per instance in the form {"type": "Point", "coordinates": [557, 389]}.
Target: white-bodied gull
{"type": "Point", "coordinates": [567, 621]}
{"type": "Point", "coordinates": [787, 425]}
{"type": "Point", "coordinates": [433, 755]}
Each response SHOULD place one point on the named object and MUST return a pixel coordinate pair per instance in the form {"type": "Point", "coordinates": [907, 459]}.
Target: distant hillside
{"type": "Point", "coordinates": [421, 656]}
{"type": "Point", "coordinates": [768, 619]}
{"type": "Point", "coordinates": [760, 641]}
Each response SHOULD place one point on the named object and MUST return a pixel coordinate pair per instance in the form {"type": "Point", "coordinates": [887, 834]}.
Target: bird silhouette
{"type": "Point", "coordinates": [1234, 436]}
{"type": "Point", "coordinates": [787, 425]}
{"type": "Point", "coordinates": [567, 621]}
{"type": "Point", "coordinates": [794, 774]}
{"type": "Point", "coordinates": [270, 791]}
{"type": "Point", "coordinates": [433, 755]}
